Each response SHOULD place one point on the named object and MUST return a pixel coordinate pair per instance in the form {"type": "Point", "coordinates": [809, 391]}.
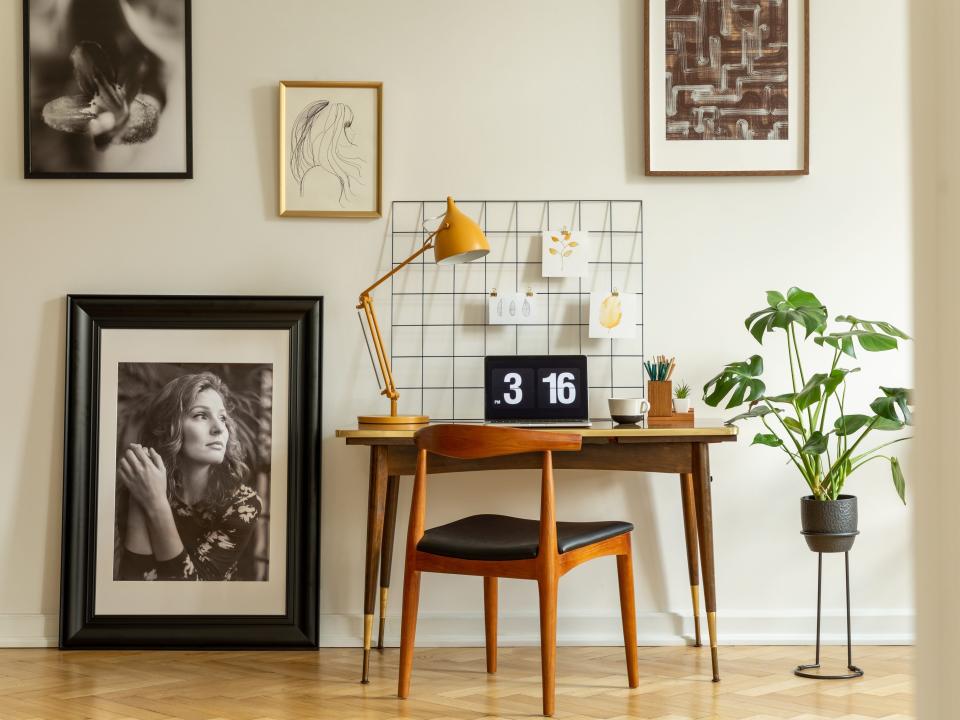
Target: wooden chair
{"type": "Point", "coordinates": [495, 546]}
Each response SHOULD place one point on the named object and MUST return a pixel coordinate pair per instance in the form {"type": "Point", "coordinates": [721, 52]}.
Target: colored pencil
{"type": "Point", "coordinates": [660, 368]}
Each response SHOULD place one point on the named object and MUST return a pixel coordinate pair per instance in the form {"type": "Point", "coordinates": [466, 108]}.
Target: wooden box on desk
{"type": "Point", "coordinates": [673, 420]}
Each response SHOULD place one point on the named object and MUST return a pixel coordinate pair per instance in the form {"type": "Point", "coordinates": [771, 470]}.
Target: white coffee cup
{"type": "Point", "coordinates": [625, 411]}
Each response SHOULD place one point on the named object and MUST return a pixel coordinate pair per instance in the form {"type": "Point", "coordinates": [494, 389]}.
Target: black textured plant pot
{"type": "Point", "coordinates": [829, 526]}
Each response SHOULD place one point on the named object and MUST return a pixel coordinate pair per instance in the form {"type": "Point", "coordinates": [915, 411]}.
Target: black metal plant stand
{"type": "Point", "coordinates": [855, 672]}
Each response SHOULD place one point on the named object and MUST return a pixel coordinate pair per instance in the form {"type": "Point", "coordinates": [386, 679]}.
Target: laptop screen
{"type": "Point", "coordinates": [535, 387]}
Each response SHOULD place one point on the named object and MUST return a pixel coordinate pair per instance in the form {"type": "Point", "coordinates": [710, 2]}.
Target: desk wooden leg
{"type": "Point", "coordinates": [375, 512]}
{"type": "Point", "coordinates": [386, 553]}
{"type": "Point", "coordinates": [690, 535]}
{"type": "Point", "coordinates": [701, 487]}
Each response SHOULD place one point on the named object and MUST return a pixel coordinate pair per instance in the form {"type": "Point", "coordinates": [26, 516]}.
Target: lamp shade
{"type": "Point", "coordinates": [459, 239]}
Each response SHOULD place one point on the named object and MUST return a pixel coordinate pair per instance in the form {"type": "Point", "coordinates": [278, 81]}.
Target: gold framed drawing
{"type": "Point", "coordinates": [330, 149]}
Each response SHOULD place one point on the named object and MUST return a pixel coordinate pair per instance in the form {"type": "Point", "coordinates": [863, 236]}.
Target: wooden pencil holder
{"type": "Point", "coordinates": [660, 395]}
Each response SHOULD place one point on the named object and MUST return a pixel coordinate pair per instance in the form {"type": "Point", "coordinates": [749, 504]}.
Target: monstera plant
{"type": "Point", "coordinates": [810, 420]}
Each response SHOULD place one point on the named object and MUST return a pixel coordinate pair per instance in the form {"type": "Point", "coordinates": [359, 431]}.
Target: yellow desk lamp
{"type": "Point", "coordinates": [458, 239]}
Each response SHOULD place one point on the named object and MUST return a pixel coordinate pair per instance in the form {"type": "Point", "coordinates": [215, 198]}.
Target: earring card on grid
{"type": "Point", "coordinates": [514, 308]}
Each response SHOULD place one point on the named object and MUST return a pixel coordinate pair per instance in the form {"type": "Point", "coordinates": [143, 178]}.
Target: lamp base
{"type": "Point", "coordinates": [393, 419]}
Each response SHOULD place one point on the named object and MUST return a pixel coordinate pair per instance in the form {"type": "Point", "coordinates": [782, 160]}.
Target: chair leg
{"type": "Point", "coordinates": [628, 613]}
{"type": "Point", "coordinates": [548, 640]}
{"type": "Point", "coordinates": [490, 621]}
{"type": "Point", "coordinates": [408, 628]}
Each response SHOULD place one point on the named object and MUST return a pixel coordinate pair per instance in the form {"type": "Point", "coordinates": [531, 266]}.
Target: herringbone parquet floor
{"type": "Point", "coordinates": [448, 683]}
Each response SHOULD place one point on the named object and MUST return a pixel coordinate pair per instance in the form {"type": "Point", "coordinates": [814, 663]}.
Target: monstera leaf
{"type": "Point", "coordinates": [768, 439]}
{"type": "Point", "coordinates": [798, 307]}
{"type": "Point", "coordinates": [821, 385]}
{"type": "Point", "coordinates": [740, 380]}
{"type": "Point", "coordinates": [849, 424]}
{"type": "Point", "coordinates": [871, 335]}
{"type": "Point", "coordinates": [754, 412]}
{"type": "Point", "coordinates": [898, 482]}
{"type": "Point", "coordinates": [887, 406]}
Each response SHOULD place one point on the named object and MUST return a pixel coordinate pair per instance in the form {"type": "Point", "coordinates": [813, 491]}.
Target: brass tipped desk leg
{"type": "Point", "coordinates": [375, 511]}
{"type": "Point", "coordinates": [367, 634]}
{"type": "Point", "coordinates": [383, 618]}
{"type": "Point", "coordinates": [714, 660]}
{"type": "Point", "coordinates": [386, 554]}
{"type": "Point", "coordinates": [688, 497]}
{"type": "Point", "coordinates": [695, 595]}
{"type": "Point", "coordinates": [701, 487]}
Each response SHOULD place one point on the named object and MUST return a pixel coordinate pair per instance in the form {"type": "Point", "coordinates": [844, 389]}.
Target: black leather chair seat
{"type": "Point", "coordinates": [500, 537]}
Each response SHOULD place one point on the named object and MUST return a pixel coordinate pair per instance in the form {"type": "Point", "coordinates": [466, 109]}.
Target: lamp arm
{"type": "Point", "coordinates": [365, 303]}
{"type": "Point", "coordinates": [389, 386]}
{"type": "Point", "coordinates": [426, 246]}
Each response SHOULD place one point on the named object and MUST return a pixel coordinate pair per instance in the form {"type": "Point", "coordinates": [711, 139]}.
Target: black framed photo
{"type": "Point", "coordinates": [107, 89]}
{"type": "Point", "coordinates": [191, 472]}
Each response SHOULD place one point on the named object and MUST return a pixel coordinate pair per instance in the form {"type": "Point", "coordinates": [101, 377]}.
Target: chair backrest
{"type": "Point", "coordinates": [472, 442]}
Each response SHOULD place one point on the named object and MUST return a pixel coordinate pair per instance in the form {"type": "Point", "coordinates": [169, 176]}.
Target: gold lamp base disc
{"type": "Point", "coordinates": [393, 419]}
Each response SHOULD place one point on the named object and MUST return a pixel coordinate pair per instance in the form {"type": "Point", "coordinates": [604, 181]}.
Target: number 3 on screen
{"type": "Point", "coordinates": [516, 394]}
{"type": "Point", "coordinates": [562, 389]}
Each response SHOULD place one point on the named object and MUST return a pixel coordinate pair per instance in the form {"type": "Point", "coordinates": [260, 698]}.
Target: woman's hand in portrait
{"type": "Point", "coordinates": [142, 472]}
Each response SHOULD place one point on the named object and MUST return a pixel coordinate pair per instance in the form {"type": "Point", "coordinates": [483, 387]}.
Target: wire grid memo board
{"type": "Point", "coordinates": [439, 331]}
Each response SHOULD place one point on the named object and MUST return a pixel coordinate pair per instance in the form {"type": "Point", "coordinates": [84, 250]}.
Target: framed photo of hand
{"type": "Point", "coordinates": [191, 473]}
{"type": "Point", "coordinates": [107, 89]}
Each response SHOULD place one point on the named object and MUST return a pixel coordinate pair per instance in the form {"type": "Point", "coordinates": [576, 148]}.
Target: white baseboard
{"type": "Point", "coordinates": [28, 630]}
{"type": "Point", "coordinates": [870, 627]}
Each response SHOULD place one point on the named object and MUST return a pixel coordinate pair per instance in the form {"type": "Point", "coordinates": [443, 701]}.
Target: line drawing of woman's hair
{"type": "Point", "coordinates": [321, 138]}
{"type": "Point", "coordinates": [163, 431]}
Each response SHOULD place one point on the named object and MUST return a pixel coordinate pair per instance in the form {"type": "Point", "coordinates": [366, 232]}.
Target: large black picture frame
{"type": "Point", "coordinates": [31, 173]}
{"type": "Point", "coordinates": [87, 317]}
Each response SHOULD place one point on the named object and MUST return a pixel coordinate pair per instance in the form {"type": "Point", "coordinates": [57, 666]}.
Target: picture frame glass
{"type": "Point", "coordinates": [239, 538]}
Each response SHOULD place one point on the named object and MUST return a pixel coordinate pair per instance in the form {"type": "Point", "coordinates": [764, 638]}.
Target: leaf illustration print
{"type": "Point", "coordinates": [565, 246]}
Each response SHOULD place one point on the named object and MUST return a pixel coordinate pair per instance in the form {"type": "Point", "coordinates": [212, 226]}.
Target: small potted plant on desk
{"type": "Point", "coordinates": [811, 423]}
{"type": "Point", "coordinates": [681, 398]}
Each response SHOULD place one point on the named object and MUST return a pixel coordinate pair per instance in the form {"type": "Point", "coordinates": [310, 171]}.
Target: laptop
{"type": "Point", "coordinates": [536, 390]}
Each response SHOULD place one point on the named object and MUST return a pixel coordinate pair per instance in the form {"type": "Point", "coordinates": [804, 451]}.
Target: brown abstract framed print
{"type": "Point", "coordinates": [726, 87]}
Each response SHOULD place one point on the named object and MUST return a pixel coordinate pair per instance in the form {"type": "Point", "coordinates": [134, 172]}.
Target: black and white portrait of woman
{"type": "Point", "coordinates": [193, 462]}
{"type": "Point", "coordinates": [191, 471]}
{"type": "Point", "coordinates": [107, 88]}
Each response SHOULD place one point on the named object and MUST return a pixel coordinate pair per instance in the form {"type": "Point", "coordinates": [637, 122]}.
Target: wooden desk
{"type": "Point", "coordinates": [684, 451]}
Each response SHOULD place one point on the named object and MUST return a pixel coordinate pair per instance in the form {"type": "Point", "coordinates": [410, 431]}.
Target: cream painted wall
{"type": "Point", "coordinates": [497, 99]}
